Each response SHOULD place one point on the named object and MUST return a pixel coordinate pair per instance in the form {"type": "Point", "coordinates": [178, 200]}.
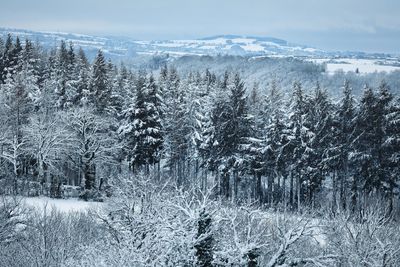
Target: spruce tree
{"type": "Point", "coordinates": [100, 88]}
{"type": "Point", "coordinates": [392, 148]}
{"type": "Point", "coordinates": [232, 128]}
{"type": "Point", "coordinates": [6, 58]}
{"type": "Point", "coordinates": [341, 145]}
{"type": "Point", "coordinates": [365, 156]}
{"type": "Point", "coordinates": [298, 144]}
{"type": "Point", "coordinates": [82, 81]}
{"type": "Point", "coordinates": [146, 124]}
{"type": "Point", "coordinates": [318, 123]}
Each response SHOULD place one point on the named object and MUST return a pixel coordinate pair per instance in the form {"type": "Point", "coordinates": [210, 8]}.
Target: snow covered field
{"type": "Point", "coordinates": [364, 66]}
{"type": "Point", "coordinates": [63, 205]}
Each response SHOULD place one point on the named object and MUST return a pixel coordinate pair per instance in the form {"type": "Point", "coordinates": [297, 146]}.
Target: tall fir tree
{"type": "Point", "coordinates": [146, 124]}
{"type": "Point", "coordinates": [100, 88]}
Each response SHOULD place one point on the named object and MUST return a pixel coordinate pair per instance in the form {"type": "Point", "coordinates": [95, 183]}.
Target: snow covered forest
{"type": "Point", "coordinates": [195, 168]}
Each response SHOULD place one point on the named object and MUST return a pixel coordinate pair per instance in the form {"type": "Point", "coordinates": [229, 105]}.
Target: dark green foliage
{"type": "Point", "coordinates": [205, 240]}
{"type": "Point", "coordinates": [100, 88]}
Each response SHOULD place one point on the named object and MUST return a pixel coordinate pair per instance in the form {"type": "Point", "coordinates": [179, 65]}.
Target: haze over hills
{"type": "Point", "coordinates": [124, 47]}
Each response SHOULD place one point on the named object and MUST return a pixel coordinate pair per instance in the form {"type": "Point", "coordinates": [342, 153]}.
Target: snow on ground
{"type": "Point", "coordinates": [253, 47]}
{"type": "Point", "coordinates": [63, 205]}
{"type": "Point", "coordinates": [351, 64]}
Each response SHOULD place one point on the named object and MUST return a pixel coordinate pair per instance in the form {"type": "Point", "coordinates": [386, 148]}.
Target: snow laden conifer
{"type": "Point", "coordinates": [272, 127]}
{"type": "Point", "coordinates": [318, 121]}
{"type": "Point", "coordinates": [82, 71]}
{"type": "Point", "coordinates": [392, 148]}
{"type": "Point", "coordinates": [177, 127]}
{"type": "Point", "coordinates": [100, 87]}
{"type": "Point", "coordinates": [367, 158]}
{"type": "Point", "coordinates": [232, 124]}
{"type": "Point", "coordinates": [341, 145]}
{"type": "Point", "coordinates": [62, 75]}
{"type": "Point", "coordinates": [299, 141]}
{"type": "Point", "coordinates": [142, 126]}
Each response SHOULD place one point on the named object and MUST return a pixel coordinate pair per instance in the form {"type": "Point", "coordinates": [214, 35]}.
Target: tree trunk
{"type": "Point", "coordinates": [270, 182]}
{"type": "Point", "coordinates": [354, 195]}
{"type": "Point", "coordinates": [277, 190]}
{"type": "Point", "coordinates": [291, 191]}
{"type": "Point", "coordinates": [225, 187]}
{"type": "Point", "coordinates": [298, 192]}
{"type": "Point", "coordinates": [334, 189]}
{"type": "Point", "coordinates": [259, 193]}
{"type": "Point", "coordinates": [236, 186]}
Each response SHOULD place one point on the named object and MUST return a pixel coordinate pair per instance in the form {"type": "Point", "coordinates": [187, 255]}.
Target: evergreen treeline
{"type": "Point", "coordinates": [65, 121]}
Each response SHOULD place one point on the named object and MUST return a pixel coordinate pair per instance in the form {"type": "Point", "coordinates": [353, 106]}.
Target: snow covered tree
{"type": "Point", "coordinates": [48, 140]}
{"type": "Point", "coordinates": [100, 87]}
{"type": "Point", "coordinates": [272, 128]}
{"type": "Point", "coordinates": [62, 75]}
{"type": "Point", "coordinates": [17, 107]}
{"type": "Point", "coordinates": [337, 155]}
{"type": "Point", "coordinates": [232, 125]}
{"type": "Point", "coordinates": [146, 124]}
{"type": "Point", "coordinates": [82, 95]}
{"type": "Point", "coordinates": [94, 145]}
{"type": "Point", "coordinates": [387, 148]}
{"type": "Point", "coordinates": [319, 123]}
{"type": "Point", "coordinates": [298, 143]}
{"type": "Point", "coordinates": [370, 154]}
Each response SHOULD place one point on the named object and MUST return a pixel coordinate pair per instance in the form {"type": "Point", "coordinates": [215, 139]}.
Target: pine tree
{"type": "Point", "coordinates": [232, 126]}
{"type": "Point", "coordinates": [100, 88]}
{"type": "Point", "coordinates": [72, 75]}
{"type": "Point", "coordinates": [337, 155]}
{"type": "Point", "coordinates": [365, 158]}
{"type": "Point", "coordinates": [392, 148]}
{"type": "Point", "coordinates": [298, 143]}
{"type": "Point", "coordinates": [61, 76]}
{"type": "Point", "coordinates": [29, 72]}
{"type": "Point", "coordinates": [119, 92]}
{"type": "Point", "coordinates": [16, 57]}
{"type": "Point", "coordinates": [318, 122]}
{"type": "Point", "coordinates": [385, 109]}
{"type": "Point", "coordinates": [6, 59]}
{"type": "Point", "coordinates": [82, 83]}
{"type": "Point", "coordinates": [176, 125]}
{"type": "Point", "coordinates": [146, 124]}
{"type": "Point", "coordinates": [272, 122]}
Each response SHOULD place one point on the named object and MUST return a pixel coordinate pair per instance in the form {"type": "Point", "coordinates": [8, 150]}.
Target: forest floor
{"type": "Point", "coordinates": [63, 205]}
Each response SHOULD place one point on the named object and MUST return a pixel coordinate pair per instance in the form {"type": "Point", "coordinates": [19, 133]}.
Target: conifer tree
{"type": "Point", "coordinates": [100, 88]}
{"type": "Point", "coordinates": [146, 124]}
{"type": "Point", "coordinates": [364, 158]}
{"type": "Point", "coordinates": [318, 122]}
{"type": "Point", "coordinates": [298, 144]}
{"type": "Point", "coordinates": [82, 81]}
{"type": "Point", "coordinates": [6, 59]}
{"type": "Point", "coordinates": [341, 145]}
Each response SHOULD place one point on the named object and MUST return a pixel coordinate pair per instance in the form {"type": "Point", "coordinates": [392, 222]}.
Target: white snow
{"type": "Point", "coordinates": [243, 40]}
{"type": "Point", "coordinates": [253, 47]}
{"type": "Point", "coordinates": [63, 205]}
{"type": "Point", "coordinates": [351, 64]}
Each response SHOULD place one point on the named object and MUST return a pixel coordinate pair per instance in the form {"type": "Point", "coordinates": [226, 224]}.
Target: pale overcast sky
{"type": "Point", "coordinates": [366, 25]}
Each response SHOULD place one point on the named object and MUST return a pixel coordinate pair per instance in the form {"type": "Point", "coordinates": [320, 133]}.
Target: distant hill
{"type": "Point", "coordinates": [123, 47]}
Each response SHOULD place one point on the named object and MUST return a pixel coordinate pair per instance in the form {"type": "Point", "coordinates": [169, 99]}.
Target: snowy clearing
{"type": "Point", "coordinates": [63, 205]}
{"type": "Point", "coordinates": [364, 66]}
